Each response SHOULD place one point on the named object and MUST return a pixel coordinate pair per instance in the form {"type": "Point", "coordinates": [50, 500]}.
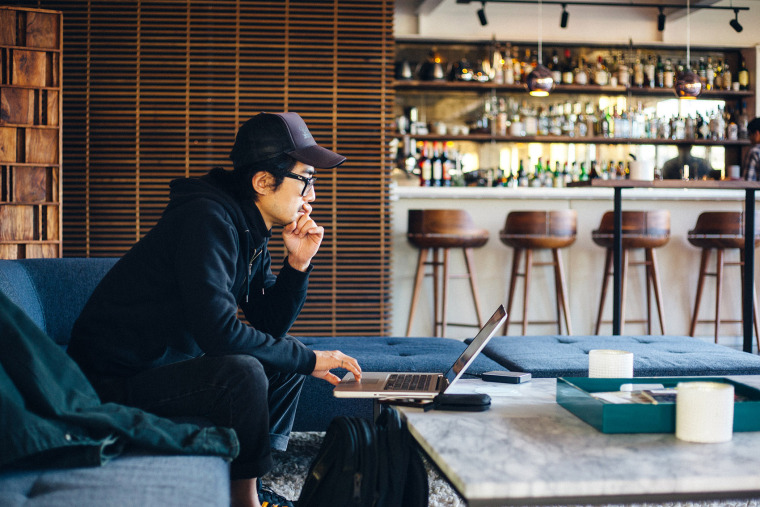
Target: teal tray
{"type": "Point", "coordinates": [573, 395]}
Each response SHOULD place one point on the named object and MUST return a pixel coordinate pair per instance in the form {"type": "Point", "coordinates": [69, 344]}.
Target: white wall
{"type": "Point", "coordinates": [614, 25]}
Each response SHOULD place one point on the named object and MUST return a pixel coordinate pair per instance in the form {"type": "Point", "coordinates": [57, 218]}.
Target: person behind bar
{"type": "Point", "coordinates": [698, 168]}
{"type": "Point", "coordinates": [751, 162]}
{"type": "Point", "coordinates": [161, 332]}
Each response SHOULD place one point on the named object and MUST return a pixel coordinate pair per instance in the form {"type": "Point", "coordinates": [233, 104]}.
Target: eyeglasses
{"type": "Point", "coordinates": [307, 182]}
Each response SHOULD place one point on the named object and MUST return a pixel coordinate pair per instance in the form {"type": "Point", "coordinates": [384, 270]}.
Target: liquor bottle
{"type": "Point", "coordinates": [638, 73]}
{"type": "Point", "coordinates": [702, 72]}
{"type": "Point", "coordinates": [580, 73]}
{"type": "Point", "coordinates": [624, 76]}
{"type": "Point", "coordinates": [649, 72]}
{"type": "Point", "coordinates": [522, 177]}
{"type": "Point", "coordinates": [726, 77]}
{"type": "Point", "coordinates": [497, 64]}
{"type": "Point", "coordinates": [593, 173]}
{"type": "Point", "coordinates": [668, 75]}
{"type": "Point", "coordinates": [447, 165]}
{"type": "Point", "coordinates": [508, 67]}
{"type": "Point", "coordinates": [659, 72]}
{"type": "Point", "coordinates": [555, 68]}
{"type": "Point", "coordinates": [743, 76]}
{"type": "Point", "coordinates": [425, 166]}
{"type": "Point", "coordinates": [709, 74]}
{"type": "Point", "coordinates": [584, 176]}
{"type": "Point", "coordinates": [743, 121]}
{"type": "Point", "coordinates": [601, 77]}
{"type": "Point", "coordinates": [567, 69]}
{"type": "Point", "coordinates": [516, 67]}
{"type": "Point", "coordinates": [437, 166]}
{"type": "Point", "coordinates": [718, 83]}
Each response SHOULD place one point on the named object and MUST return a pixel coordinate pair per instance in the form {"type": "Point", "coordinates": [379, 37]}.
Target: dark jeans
{"type": "Point", "coordinates": [233, 391]}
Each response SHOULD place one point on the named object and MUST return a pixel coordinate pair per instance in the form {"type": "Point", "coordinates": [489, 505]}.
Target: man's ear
{"type": "Point", "coordinates": [261, 182]}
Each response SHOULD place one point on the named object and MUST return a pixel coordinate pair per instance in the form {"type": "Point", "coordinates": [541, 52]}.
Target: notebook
{"type": "Point", "coordinates": [418, 385]}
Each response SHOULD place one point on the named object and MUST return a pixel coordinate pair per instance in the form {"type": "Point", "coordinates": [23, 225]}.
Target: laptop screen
{"type": "Point", "coordinates": [476, 345]}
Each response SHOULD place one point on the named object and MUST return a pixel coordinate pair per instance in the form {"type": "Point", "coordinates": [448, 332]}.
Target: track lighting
{"type": "Point", "coordinates": [563, 18]}
{"type": "Point", "coordinates": [482, 15]}
{"type": "Point", "coordinates": [661, 21]}
{"type": "Point", "coordinates": [735, 22]}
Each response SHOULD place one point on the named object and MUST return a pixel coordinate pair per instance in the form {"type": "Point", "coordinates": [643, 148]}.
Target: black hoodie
{"type": "Point", "coordinates": [176, 293]}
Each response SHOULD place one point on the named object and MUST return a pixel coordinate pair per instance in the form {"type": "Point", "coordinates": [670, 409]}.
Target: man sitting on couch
{"type": "Point", "coordinates": [161, 332]}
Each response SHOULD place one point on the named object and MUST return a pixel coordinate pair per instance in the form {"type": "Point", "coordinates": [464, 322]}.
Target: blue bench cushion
{"type": "Point", "coordinates": [567, 356]}
{"type": "Point", "coordinates": [317, 405]}
{"type": "Point", "coordinates": [181, 481]}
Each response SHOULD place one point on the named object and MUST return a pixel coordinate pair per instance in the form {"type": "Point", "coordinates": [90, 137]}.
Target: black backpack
{"type": "Point", "coordinates": [365, 465]}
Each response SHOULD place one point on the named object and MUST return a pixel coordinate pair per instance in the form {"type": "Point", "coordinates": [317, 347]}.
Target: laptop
{"type": "Point", "coordinates": [418, 385]}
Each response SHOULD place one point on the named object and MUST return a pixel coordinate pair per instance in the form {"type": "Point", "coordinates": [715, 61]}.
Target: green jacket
{"type": "Point", "coordinates": [50, 415]}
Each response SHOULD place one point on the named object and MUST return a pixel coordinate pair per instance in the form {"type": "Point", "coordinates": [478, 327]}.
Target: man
{"type": "Point", "coordinates": [161, 332]}
{"type": "Point", "coordinates": [751, 163]}
{"type": "Point", "coordinates": [698, 167]}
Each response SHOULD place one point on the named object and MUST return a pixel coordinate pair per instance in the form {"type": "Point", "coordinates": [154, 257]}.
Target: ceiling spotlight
{"type": "Point", "coordinates": [565, 15]}
{"type": "Point", "coordinates": [482, 15]}
{"type": "Point", "coordinates": [735, 22]}
{"type": "Point", "coordinates": [661, 20]}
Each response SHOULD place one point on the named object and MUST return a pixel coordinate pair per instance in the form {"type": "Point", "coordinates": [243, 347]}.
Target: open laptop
{"type": "Point", "coordinates": [418, 385]}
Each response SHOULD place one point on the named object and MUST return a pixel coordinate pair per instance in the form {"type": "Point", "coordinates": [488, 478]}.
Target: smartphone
{"type": "Point", "coordinates": [508, 377]}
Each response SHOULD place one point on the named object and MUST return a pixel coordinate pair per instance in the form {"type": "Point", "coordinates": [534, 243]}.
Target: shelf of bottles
{"type": "Point", "coordinates": [453, 96]}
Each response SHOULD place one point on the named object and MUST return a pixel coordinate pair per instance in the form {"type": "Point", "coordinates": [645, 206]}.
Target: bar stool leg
{"type": "Point", "coordinates": [623, 285]}
{"type": "Point", "coordinates": [607, 262]}
{"type": "Point", "coordinates": [657, 290]}
{"type": "Point", "coordinates": [419, 275]}
{"type": "Point", "coordinates": [718, 287]}
{"type": "Point", "coordinates": [700, 287]}
{"type": "Point", "coordinates": [436, 275]}
{"type": "Point", "coordinates": [528, 265]}
{"type": "Point", "coordinates": [444, 297]}
{"type": "Point", "coordinates": [649, 287]}
{"type": "Point", "coordinates": [512, 284]}
{"type": "Point", "coordinates": [561, 288]}
{"type": "Point", "coordinates": [473, 283]}
{"type": "Point", "coordinates": [754, 300]}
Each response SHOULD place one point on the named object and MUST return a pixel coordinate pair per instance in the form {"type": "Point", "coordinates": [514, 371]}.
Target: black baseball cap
{"type": "Point", "coordinates": [267, 135]}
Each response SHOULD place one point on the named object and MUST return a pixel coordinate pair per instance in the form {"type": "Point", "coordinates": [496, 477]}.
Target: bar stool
{"type": "Point", "coordinates": [641, 230]}
{"type": "Point", "coordinates": [719, 231]}
{"type": "Point", "coordinates": [439, 230]}
{"type": "Point", "coordinates": [526, 231]}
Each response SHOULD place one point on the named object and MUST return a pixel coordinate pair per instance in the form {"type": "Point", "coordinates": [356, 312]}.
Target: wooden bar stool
{"type": "Point", "coordinates": [439, 230]}
{"type": "Point", "coordinates": [719, 231]}
{"type": "Point", "coordinates": [645, 230]}
{"type": "Point", "coordinates": [526, 231]}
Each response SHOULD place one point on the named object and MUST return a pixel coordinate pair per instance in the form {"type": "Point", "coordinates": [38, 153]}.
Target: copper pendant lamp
{"type": "Point", "coordinates": [540, 82]}
{"type": "Point", "coordinates": [688, 85]}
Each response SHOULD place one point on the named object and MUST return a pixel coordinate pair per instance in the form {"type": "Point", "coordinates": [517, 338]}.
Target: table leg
{"type": "Point", "coordinates": [617, 261]}
{"type": "Point", "coordinates": [749, 267]}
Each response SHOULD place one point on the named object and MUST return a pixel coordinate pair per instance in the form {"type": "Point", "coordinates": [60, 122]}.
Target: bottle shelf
{"type": "Point", "coordinates": [480, 87]}
{"type": "Point", "coordinates": [485, 138]}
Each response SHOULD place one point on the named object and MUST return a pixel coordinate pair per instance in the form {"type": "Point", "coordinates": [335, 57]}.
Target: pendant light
{"type": "Point", "coordinates": [540, 82]}
{"type": "Point", "coordinates": [688, 84]}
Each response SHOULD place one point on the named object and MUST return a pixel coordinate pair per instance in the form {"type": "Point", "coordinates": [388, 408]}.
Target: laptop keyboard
{"type": "Point", "coordinates": [409, 382]}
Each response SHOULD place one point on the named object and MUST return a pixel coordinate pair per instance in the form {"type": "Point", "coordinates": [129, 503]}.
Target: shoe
{"type": "Point", "coordinates": [268, 498]}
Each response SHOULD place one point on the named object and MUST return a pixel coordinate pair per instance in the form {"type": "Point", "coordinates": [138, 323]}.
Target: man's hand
{"type": "Point", "coordinates": [328, 360]}
{"type": "Point", "coordinates": [302, 238]}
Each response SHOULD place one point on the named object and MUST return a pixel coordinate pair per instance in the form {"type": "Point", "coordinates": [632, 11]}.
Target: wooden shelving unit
{"type": "Point", "coordinates": [30, 133]}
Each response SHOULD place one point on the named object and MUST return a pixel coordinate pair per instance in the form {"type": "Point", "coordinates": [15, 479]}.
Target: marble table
{"type": "Point", "coordinates": [529, 450]}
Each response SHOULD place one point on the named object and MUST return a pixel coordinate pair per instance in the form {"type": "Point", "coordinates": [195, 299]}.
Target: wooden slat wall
{"type": "Point", "coordinates": [155, 90]}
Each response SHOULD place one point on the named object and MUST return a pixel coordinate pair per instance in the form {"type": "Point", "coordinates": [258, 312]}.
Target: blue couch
{"type": "Point", "coordinates": [52, 292]}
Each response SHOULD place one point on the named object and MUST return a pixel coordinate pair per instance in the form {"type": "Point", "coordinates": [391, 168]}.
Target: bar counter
{"type": "Point", "coordinates": [584, 260]}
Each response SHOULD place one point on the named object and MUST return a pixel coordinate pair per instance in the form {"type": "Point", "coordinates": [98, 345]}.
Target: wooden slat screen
{"type": "Point", "coordinates": [155, 90]}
